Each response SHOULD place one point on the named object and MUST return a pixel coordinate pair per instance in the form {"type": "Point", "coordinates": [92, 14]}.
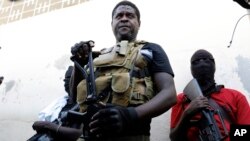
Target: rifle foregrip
{"type": "Point", "coordinates": [76, 116]}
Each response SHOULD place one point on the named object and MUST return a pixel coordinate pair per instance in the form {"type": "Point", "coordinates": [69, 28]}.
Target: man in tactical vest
{"type": "Point", "coordinates": [186, 118]}
{"type": "Point", "coordinates": [133, 78]}
{"type": "Point", "coordinates": [138, 76]}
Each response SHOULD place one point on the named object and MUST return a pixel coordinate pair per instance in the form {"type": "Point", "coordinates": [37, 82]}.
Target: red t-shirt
{"type": "Point", "coordinates": [230, 99]}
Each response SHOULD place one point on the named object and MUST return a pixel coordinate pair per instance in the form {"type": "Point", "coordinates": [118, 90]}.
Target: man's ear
{"type": "Point", "coordinates": [111, 23]}
{"type": "Point", "coordinates": [139, 25]}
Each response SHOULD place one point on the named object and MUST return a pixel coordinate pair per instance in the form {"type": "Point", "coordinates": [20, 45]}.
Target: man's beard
{"type": "Point", "coordinates": [125, 37]}
{"type": "Point", "coordinates": [129, 35]}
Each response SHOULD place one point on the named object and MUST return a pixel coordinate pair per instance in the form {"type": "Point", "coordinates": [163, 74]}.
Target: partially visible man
{"type": "Point", "coordinates": [52, 128]}
{"type": "Point", "coordinates": [66, 80]}
{"type": "Point", "coordinates": [1, 79]}
{"type": "Point", "coordinates": [186, 114]}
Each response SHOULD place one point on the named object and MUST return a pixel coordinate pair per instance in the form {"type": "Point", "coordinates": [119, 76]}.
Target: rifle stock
{"type": "Point", "coordinates": [192, 90]}
{"type": "Point", "coordinates": [209, 130]}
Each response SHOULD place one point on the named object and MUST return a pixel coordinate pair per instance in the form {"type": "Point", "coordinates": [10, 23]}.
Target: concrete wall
{"type": "Point", "coordinates": [35, 52]}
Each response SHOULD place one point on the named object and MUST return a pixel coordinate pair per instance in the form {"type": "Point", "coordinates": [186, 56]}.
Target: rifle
{"type": "Point", "coordinates": [92, 99]}
{"type": "Point", "coordinates": [209, 130]}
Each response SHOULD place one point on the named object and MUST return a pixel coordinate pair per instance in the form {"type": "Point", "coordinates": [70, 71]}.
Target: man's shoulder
{"type": "Point", "coordinates": [231, 92]}
{"type": "Point", "coordinates": [150, 44]}
{"type": "Point", "coordinates": [154, 47]}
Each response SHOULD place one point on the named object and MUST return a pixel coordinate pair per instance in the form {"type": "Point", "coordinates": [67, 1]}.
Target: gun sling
{"type": "Point", "coordinates": [224, 113]}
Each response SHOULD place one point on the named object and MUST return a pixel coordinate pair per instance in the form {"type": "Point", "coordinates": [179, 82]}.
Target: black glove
{"type": "Point", "coordinates": [113, 121]}
{"type": "Point", "coordinates": [81, 50]}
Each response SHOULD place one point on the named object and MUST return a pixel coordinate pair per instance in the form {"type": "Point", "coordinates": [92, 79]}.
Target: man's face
{"type": "Point", "coordinates": [125, 23]}
{"type": "Point", "coordinates": [203, 69]}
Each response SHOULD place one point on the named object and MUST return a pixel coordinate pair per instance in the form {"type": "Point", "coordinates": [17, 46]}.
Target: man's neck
{"type": "Point", "coordinates": [117, 41]}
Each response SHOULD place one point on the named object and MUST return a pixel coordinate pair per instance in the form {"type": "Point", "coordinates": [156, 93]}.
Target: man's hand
{"type": "Point", "coordinates": [196, 106]}
{"type": "Point", "coordinates": [112, 121]}
{"type": "Point", "coordinates": [57, 132]}
{"type": "Point", "coordinates": [45, 127]}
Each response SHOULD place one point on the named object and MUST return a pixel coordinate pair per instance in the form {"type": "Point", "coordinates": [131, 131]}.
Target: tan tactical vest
{"type": "Point", "coordinates": [114, 67]}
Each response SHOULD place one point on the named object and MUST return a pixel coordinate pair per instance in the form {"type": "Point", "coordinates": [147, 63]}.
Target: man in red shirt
{"type": "Point", "coordinates": [186, 114]}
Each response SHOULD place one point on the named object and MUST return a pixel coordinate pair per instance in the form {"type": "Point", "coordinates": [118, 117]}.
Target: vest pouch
{"type": "Point", "coordinates": [150, 93]}
{"type": "Point", "coordinates": [102, 83]}
{"type": "Point", "coordinates": [81, 95]}
{"type": "Point", "coordinates": [121, 88]}
{"type": "Point", "coordinates": [142, 91]}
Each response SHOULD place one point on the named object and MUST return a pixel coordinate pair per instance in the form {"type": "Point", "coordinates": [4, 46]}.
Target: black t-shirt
{"type": "Point", "coordinates": [159, 61]}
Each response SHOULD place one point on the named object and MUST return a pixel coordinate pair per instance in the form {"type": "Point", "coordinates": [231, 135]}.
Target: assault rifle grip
{"type": "Point", "coordinates": [210, 131]}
